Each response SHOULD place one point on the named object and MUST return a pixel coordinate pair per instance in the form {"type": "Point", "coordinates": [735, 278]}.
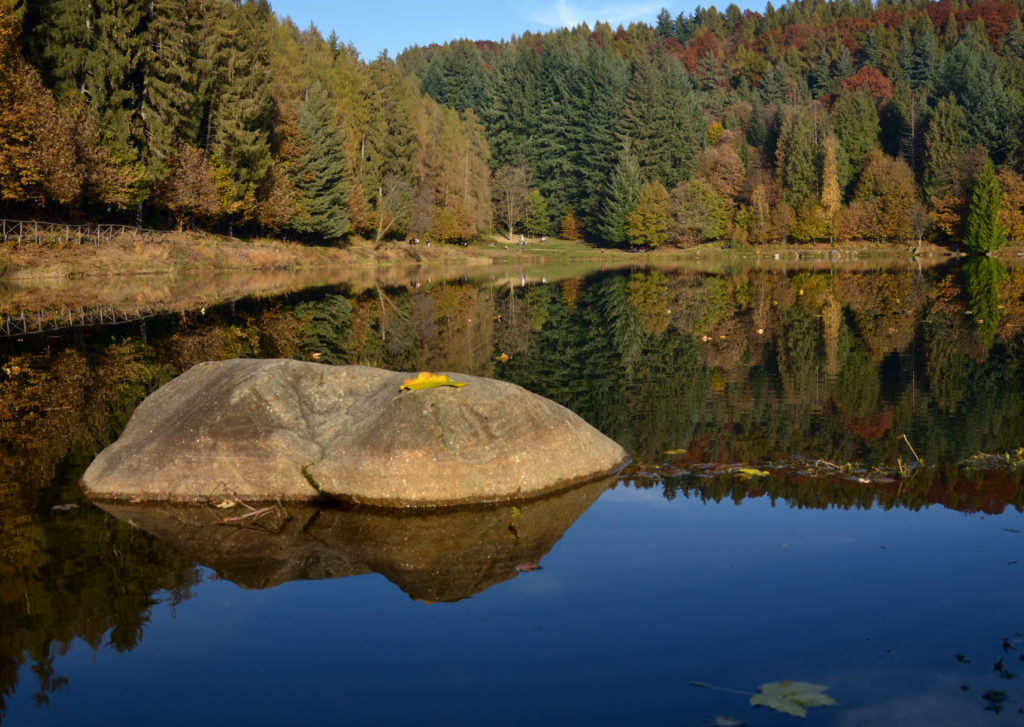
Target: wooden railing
{"type": "Point", "coordinates": [40, 321]}
{"type": "Point", "coordinates": [22, 231]}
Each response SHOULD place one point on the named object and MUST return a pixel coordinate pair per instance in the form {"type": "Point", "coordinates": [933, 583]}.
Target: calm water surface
{"type": "Point", "coordinates": [900, 590]}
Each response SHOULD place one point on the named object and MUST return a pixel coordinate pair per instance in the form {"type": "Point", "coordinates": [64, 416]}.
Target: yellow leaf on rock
{"type": "Point", "coordinates": [427, 380]}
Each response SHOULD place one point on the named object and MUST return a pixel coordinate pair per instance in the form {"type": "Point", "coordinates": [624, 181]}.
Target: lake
{"type": "Point", "coordinates": [826, 487]}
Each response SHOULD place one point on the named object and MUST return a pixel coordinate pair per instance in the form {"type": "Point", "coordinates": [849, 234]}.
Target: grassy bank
{"type": "Point", "coordinates": [171, 253]}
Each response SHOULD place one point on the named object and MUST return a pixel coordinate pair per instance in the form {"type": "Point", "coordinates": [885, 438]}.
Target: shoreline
{"type": "Point", "coordinates": [184, 253]}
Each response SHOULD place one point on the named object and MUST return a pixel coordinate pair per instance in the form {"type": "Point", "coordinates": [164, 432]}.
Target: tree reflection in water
{"type": "Point", "coordinates": [750, 367]}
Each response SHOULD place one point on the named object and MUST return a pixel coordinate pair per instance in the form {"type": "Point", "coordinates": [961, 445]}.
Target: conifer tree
{"type": "Point", "coordinates": [573, 161]}
{"type": "Point", "coordinates": [647, 223]}
{"type": "Point", "coordinates": [855, 120]}
{"type": "Point", "coordinates": [774, 86]}
{"type": "Point", "coordinates": [536, 221]}
{"type": "Point", "coordinates": [844, 65]}
{"type": "Point", "coordinates": [924, 63]}
{"type": "Point", "coordinates": [622, 196]}
{"type": "Point", "coordinates": [239, 102]}
{"type": "Point", "coordinates": [970, 72]}
{"type": "Point", "coordinates": [510, 112]}
{"type": "Point", "coordinates": [831, 194]}
{"type": "Point", "coordinates": [796, 157]}
{"type": "Point", "coordinates": [320, 177]}
{"type": "Point", "coordinates": [168, 114]}
{"type": "Point", "coordinates": [661, 120]}
{"type": "Point", "coordinates": [696, 214]}
{"type": "Point", "coordinates": [663, 27]}
{"type": "Point", "coordinates": [455, 77]}
{"type": "Point", "coordinates": [389, 142]}
{"type": "Point", "coordinates": [983, 233]}
{"type": "Point", "coordinates": [112, 67]}
{"type": "Point", "coordinates": [945, 141]}
{"type": "Point", "coordinates": [59, 36]}
{"type": "Point", "coordinates": [571, 227]}
{"type": "Point", "coordinates": [822, 79]}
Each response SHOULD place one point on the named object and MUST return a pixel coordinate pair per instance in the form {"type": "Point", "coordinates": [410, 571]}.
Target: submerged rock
{"type": "Point", "coordinates": [263, 430]}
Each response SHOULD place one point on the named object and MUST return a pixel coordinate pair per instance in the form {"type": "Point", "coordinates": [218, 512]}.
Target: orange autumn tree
{"type": "Point", "coordinates": [37, 158]}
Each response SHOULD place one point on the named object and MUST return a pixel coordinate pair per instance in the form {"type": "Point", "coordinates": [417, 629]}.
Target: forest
{"type": "Point", "coordinates": [816, 121]}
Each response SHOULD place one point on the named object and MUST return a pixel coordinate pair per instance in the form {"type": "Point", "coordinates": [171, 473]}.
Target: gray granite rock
{"type": "Point", "coordinates": [262, 430]}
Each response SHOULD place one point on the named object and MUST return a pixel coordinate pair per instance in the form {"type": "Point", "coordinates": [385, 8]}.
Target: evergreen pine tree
{"type": "Point", "coordinates": [647, 222]}
{"type": "Point", "coordinates": [983, 233]}
{"type": "Point", "coordinates": [586, 83]}
{"type": "Point", "coordinates": [510, 108]}
{"type": "Point", "coordinates": [925, 59]}
{"type": "Point", "coordinates": [970, 72]}
{"type": "Point", "coordinates": [944, 142]}
{"type": "Point", "coordinates": [91, 52]}
{"type": "Point", "coordinates": [822, 79]}
{"type": "Point", "coordinates": [389, 142]}
{"type": "Point", "coordinates": [663, 27]}
{"type": "Point", "coordinates": [774, 85]}
{"type": "Point", "coordinates": [236, 47]}
{"type": "Point", "coordinates": [844, 65]}
{"type": "Point", "coordinates": [831, 194]}
{"type": "Point", "coordinates": [855, 120]}
{"type": "Point", "coordinates": [321, 177]}
{"type": "Point", "coordinates": [111, 70]}
{"type": "Point", "coordinates": [456, 76]}
{"type": "Point", "coordinates": [537, 220]}
{"type": "Point", "coordinates": [796, 157]}
{"type": "Point", "coordinates": [169, 82]}
{"type": "Point", "coordinates": [621, 199]}
{"type": "Point", "coordinates": [874, 48]}
{"type": "Point", "coordinates": [59, 35]}
{"type": "Point", "coordinates": [661, 120]}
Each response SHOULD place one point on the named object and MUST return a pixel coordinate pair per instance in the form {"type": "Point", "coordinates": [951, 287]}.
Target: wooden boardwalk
{"type": "Point", "coordinates": [41, 321]}
{"type": "Point", "coordinates": [23, 231]}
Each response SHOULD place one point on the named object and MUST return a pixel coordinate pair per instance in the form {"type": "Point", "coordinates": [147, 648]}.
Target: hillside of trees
{"type": "Point", "coordinates": [816, 121]}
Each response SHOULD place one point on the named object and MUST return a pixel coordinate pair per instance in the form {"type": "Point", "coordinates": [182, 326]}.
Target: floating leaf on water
{"type": "Point", "coordinates": [225, 504]}
{"type": "Point", "coordinates": [64, 508]}
{"type": "Point", "coordinates": [675, 451]}
{"type": "Point", "coordinates": [745, 472]}
{"type": "Point", "coordinates": [427, 380]}
{"type": "Point", "coordinates": [792, 697]}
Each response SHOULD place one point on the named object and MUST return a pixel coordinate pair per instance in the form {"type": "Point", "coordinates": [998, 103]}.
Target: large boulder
{"type": "Point", "coordinates": [264, 430]}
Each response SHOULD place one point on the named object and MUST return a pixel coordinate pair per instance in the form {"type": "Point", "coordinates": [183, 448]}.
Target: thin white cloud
{"type": "Point", "coordinates": [565, 14]}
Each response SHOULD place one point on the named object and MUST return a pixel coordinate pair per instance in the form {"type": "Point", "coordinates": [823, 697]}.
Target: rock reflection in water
{"type": "Point", "coordinates": [432, 555]}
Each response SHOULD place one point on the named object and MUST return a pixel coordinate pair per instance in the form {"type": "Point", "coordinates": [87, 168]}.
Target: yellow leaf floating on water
{"type": "Point", "coordinates": [792, 697]}
{"type": "Point", "coordinates": [745, 472]}
{"type": "Point", "coordinates": [675, 451]}
{"type": "Point", "coordinates": [427, 380]}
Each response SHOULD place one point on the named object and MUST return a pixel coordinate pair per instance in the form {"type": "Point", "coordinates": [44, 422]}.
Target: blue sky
{"type": "Point", "coordinates": [371, 26]}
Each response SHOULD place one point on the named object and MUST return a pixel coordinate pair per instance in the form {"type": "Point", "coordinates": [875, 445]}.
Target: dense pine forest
{"type": "Point", "coordinates": [816, 121]}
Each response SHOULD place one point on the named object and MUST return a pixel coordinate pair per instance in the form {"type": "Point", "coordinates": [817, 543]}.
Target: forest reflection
{"type": "Point", "coordinates": [749, 367]}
